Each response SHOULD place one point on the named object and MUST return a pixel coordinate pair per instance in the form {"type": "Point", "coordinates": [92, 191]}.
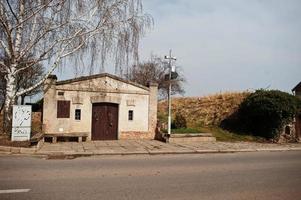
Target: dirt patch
{"type": "Point", "coordinates": [35, 129]}
{"type": "Point", "coordinates": [5, 141]}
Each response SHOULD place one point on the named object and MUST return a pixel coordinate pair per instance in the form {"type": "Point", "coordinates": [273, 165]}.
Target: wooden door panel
{"type": "Point", "coordinates": [104, 121]}
{"type": "Point", "coordinates": [112, 121]}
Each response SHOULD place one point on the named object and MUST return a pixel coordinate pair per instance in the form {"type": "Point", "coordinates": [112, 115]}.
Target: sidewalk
{"type": "Point", "coordinates": [150, 147]}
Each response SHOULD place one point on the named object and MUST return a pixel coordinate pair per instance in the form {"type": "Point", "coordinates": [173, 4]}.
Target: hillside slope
{"type": "Point", "coordinates": [206, 111]}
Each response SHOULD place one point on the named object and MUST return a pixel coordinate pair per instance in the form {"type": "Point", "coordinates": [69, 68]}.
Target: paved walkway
{"type": "Point", "coordinates": [151, 147]}
{"type": "Point", "coordinates": [124, 147]}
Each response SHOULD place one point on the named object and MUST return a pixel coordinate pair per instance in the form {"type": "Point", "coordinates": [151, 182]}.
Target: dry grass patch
{"type": "Point", "coordinates": [204, 114]}
{"type": "Point", "coordinates": [206, 111]}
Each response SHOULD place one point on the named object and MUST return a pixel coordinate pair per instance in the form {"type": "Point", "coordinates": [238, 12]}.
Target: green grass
{"type": "Point", "coordinates": [219, 134]}
{"type": "Point", "coordinates": [186, 130]}
{"type": "Point", "coordinates": [226, 136]}
{"type": "Point", "coordinates": [183, 130]}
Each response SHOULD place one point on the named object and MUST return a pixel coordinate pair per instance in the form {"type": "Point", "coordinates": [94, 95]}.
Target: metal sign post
{"type": "Point", "coordinates": [170, 58]}
{"type": "Point", "coordinates": [21, 125]}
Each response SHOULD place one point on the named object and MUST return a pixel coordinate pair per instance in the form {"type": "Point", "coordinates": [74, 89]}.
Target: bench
{"type": "Point", "coordinates": [54, 137]}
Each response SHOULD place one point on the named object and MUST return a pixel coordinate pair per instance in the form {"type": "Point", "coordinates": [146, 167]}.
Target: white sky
{"type": "Point", "coordinates": [228, 45]}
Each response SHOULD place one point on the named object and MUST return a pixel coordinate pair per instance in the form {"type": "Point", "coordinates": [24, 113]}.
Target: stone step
{"type": "Point", "coordinates": [192, 137]}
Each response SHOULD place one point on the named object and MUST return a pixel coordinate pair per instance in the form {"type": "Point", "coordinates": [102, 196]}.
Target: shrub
{"type": "Point", "coordinates": [263, 113]}
{"type": "Point", "coordinates": [179, 122]}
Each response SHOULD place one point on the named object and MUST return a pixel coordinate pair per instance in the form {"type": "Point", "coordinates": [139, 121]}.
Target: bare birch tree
{"type": "Point", "coordinates": [29, 77]}
{"type": "Point", "coordinates": [53, 30]}
{"type": "Point", "coordinates": [157, 71]}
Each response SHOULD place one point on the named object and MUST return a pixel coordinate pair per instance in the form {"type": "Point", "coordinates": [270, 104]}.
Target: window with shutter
{"type": "Point", "coordinates": [63, 109]}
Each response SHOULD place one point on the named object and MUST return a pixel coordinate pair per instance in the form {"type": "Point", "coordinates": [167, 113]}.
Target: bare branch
{"type": "Point", "coordinates": [19, 28]}
{"type": "Point", "coordinates": [38, 39]}
{"type": "Point", "coordinates": [4, 47]}
{"type": "Point", "coordinates": [32, 14]}
{"type": "Point", "coordinates": [3, 65]}
{"type": "Point", "coordinates": [52, 68]}
{"type": "Point", "coordinates": [7, 1]}
{"type": "Point", "coordinates": [6, 27]}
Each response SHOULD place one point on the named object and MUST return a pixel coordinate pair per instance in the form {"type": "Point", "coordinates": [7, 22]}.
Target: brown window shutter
{"type": "Point", "coordinates": [63, 109]}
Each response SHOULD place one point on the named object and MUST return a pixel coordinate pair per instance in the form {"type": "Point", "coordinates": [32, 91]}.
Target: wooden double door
{"type": "Point", "coordinates": [104, 121]}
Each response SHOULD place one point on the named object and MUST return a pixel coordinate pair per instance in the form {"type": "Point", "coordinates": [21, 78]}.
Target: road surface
{"type": "Point", "coordinates": [260, 175]}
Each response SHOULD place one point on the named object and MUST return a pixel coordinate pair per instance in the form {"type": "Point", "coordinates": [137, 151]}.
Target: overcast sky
{"type": "Point", "coordinates": [228, 45]}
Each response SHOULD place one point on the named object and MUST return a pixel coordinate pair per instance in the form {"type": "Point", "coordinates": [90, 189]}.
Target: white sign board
{"type": "Point", "coordinates": [21, 123]}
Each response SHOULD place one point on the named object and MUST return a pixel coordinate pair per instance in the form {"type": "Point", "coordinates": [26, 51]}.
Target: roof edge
{"type": "Point", "coordinates": [84, 78]}
{"type": "Point", "coordinates": [298, 85]}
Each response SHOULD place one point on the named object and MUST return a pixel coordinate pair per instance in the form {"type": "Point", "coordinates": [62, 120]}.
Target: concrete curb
{"type": "Point", "coordinates": [6, 150]}
{"type": "Point", "coordinates": [17, 150]}
{"type": "Point", "coordinates": [86, 154]}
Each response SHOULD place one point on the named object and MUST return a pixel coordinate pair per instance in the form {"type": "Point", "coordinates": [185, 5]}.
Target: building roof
{"type": "Point", "coordinates": [297, 87]}
{"type": "Point", "coordinates": [84, 78]}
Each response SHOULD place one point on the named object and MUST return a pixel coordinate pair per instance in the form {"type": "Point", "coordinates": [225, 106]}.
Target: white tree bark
{"type": "Point", "coordinates": [10, 98]}
{"type": "Point", "coordinates": [19, 28]}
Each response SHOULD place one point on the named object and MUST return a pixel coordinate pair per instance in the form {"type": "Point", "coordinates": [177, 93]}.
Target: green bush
{"type": "Point", "coordinates": [179, 122]}
{"type": "Point", "coordinates": [263, 113]}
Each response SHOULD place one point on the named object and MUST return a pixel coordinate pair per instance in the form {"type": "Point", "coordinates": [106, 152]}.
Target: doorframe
{"type": "Point", "coordinates": [118, 117]}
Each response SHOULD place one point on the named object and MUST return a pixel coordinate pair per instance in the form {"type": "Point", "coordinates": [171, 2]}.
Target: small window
{"type": "Point", "coordinates": [131, 115]}
{"type": "Point", "coordinates": [60, 93]}
{"type": "Point", "coordinates": [77, 114]}
{"type": "Point", "coordinates": [63, 109]}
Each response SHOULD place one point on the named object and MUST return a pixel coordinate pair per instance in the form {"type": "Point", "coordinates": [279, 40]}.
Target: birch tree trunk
{"type": "Point", "coordinates": [9, 100]}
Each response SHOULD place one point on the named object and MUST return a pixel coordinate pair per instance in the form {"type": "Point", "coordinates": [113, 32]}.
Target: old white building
{"type": "Point", "coordinates": [101, 107]}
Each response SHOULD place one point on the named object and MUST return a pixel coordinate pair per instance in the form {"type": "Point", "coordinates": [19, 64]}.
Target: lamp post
{"type": "Point", "coordinates": [169, 58]}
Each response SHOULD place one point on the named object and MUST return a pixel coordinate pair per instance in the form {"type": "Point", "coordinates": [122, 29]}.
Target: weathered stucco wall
{"type": "Point", "coordinates": [82, 95]}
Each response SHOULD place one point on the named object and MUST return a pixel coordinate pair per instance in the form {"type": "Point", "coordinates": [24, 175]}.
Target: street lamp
{"type": "Point", "coordinates": [171, 69]}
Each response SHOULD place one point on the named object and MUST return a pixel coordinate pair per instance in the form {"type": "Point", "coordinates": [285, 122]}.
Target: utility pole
{"type": "Point", "coordinates": [170, 58]}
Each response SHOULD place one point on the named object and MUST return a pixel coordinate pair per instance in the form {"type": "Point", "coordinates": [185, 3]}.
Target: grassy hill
{"type": "Point", "coordinates": [205, 114]}
{"type": "Point", "coordinates": [206, 111]}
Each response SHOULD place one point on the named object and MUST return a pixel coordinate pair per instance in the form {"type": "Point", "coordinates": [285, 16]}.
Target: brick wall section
{"type": "Point", "coordinates": [153, 109]}
{"type": "Point", "coordinates": [36, 117]}
{"type": "Point", "coordinates": [136, 135]}
{"type": "Point", "coordinates": [36, 122]}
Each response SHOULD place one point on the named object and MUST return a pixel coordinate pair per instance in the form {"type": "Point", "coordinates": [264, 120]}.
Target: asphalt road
{"type": "Point", "coordinates": [261, 175]}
